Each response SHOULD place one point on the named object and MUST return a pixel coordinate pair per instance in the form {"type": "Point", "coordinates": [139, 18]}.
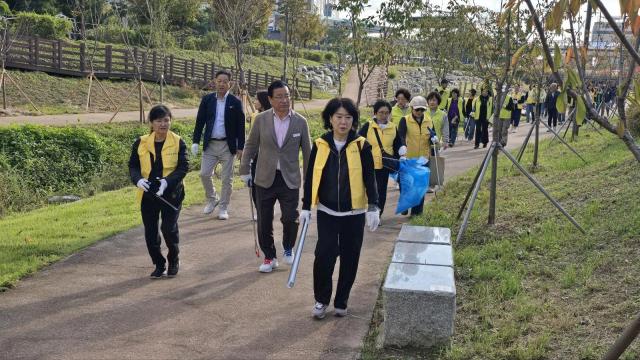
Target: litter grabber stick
{"type": "Point", "coordinates": [433, 135]}
{"type": "Point", "coordinates": [164, 201]}
{"type": "Point", "coordinates": [296, 261]}
{"type": "Point", "coordinates": [255, 233]}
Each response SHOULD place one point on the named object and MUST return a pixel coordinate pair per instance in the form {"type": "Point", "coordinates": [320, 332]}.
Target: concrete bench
{"type": "Point", "coordinates": [419, 294]}
{"type": "Point", "coordinates": [424, 234]}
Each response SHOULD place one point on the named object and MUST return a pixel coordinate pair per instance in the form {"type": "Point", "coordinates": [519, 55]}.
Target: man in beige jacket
{"type": "Point", "coordinates": [277, 135]}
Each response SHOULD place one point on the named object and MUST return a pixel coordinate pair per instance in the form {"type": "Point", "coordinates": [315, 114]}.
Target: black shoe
{"type": "Point", "coordinates": [173, 269]}
{"type": "Point", "coordinates": [484, 145]}
{"type": "Point", "coordinates": [477, 146]}
{"type": "Point", "coordinates": [406, 212]}
{"type": "Point", "coordinates": [158, 272]}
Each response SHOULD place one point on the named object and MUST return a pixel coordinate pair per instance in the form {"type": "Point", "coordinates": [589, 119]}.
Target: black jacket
{"type": "Point", "coordinates": [175, 189]}
{"type": "Point", "coordinates": [334, 191]}
{"type": "Point", "coordinates": [234, 120]}
{"type": "Point", "coordinates": [550, 100]}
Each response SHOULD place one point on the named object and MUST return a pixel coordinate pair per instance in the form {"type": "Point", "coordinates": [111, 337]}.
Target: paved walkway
{"type": "Point", "coordinates": [100, 303]}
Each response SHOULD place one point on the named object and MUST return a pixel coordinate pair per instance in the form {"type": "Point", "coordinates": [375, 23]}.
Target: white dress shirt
{"type": "Point", "coordinates": [218, 122]}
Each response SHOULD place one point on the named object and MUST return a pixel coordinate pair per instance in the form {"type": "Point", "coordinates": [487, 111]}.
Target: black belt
{"type": "Point", "coordinates": [223, 139]}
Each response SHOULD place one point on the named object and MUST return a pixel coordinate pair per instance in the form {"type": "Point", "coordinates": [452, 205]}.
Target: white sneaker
{"type": "Point", "coordinates": [211, 205]}
{"type": "Point", "coordinates": [340, 312]}
{"type": "Point", "coordinates": [268, 265]}
{"type": "Point", "coordinates": [223, 214]}
{"type": "Point", "coordinates": [288, 256]}
{"type": "Point", "coordinates": [319, 310]}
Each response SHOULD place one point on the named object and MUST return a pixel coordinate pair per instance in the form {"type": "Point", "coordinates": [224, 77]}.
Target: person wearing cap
{"type": "Point", "coordinates": [444, 93]}
{"type": "Point", "coordinates": [415, 128]}
{"type": "Point", "coordinates": [386, 145]}
{"type": "Point", "coordinates": [401, 108]}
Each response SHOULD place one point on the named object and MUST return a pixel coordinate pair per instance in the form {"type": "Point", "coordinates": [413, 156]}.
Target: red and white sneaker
{"type": "Point", "coordinates": [268, 265]}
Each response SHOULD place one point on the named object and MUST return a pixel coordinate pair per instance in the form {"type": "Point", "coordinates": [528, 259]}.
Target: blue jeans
{"type": "Point", "coordinates": [470, 128]}
{"type": "Point", "coordinates": [529, 112]}
{"type": "Point", "coordinates": [453, 132]}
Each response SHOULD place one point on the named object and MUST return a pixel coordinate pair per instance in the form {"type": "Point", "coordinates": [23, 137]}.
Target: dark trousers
{"type": "Point", "coordinates": [337, 236]}
{"type": "Point", "coordinates": [266, 199]}
{"type": "Point", "coordinates": [382, 180]}
{"type": "Point", "coordinates": [482, 132]}
{"type": "Point", "coordinates": [152, 211]}
{"type": "Point", "coordinates": [453, 132]}
{"type": "Point", "coordinates": [515, 117]}
{"type": "Point", "coordinates": [552, 118]}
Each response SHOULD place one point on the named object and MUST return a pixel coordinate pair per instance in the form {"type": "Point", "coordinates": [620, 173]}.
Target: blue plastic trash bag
{"type": "Point", "coordinates": [414, 181]}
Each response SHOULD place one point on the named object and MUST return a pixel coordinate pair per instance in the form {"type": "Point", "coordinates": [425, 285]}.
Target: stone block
{"type": "Point", "coordinates": [419, 305]}
{"type": "Point", "coordinates": [422, 254]}
{"type": "Point", "coordinates": [424, 234]}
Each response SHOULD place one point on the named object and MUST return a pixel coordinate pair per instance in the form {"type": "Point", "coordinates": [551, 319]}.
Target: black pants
{"type": "Point", "coordinates": [337, 236]}
{"type": "Point", "coordinates": [152, 211]}
{"type": "Point", "coordinates": [552, 118]}
{"type": "Point", "coordinates": [482, 132]}
{"type": "Point", "coordinates": [266, 199]}
{"type": "Point", "coordinates": [382, 180]}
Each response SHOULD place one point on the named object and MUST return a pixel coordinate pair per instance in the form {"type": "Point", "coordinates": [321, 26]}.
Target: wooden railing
{"type": "Point", "coordinates": [108, 62]}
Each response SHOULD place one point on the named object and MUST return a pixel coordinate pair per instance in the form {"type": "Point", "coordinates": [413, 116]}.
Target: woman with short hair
{"type": "Point", "coordinates": [340, 181]}
{"type": "Point", "coordinates": [157, 165]}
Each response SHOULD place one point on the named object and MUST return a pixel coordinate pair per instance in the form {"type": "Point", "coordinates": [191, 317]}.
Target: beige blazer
{"type": "Point", "coordinates": [262, 140]}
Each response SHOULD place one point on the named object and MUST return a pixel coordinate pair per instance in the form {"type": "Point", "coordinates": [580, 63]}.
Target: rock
{"type": "Point", "coordinates": [423, 254]}
{"type": "Point", "coordinates": [425, 235]}
{"type": "Point", "coordinates": [59, 199]}
{"type": "Point", "coordinates": [419, 305]}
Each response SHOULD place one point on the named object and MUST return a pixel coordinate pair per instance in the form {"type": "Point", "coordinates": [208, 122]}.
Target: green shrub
{"type": "Point", "coordinates": [4, 9]}
{"type": "Point", "coordinates": [312, 55]}
{"type": "Point", "coordinates": [266, 47]}
{"type": "Point", "coordinates": [329, 56]}
{"type": "Point", "coordinates": [633, 119]}
{"type": "Point", "coordinates": [213, 41]}
{"type": "Point", "coordinates": [42, 25]}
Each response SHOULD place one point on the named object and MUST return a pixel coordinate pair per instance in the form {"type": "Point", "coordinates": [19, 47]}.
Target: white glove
{"type": "Point", "coordinates": [434, 140]}
{"type": "Point", "coordinates": [194, 149]}
{"type": "Point", "coordinates": [246, 179]}
{"type": "Point", "coordinates": [163, 187]}
{"type": "Point", "coordinates": [143, 184]}
{"type": "Point", "coordinates": [373, 219]}
{"type": "Point", "coordinates": [305, 215]}
{"type": "Point", "coordinates": [402, 151]}
{"type": "Point", "coordinates": [403, 158]}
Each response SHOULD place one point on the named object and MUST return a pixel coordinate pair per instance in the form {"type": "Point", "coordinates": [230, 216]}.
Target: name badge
{"type": "Point", "coordinates": [295, 135]}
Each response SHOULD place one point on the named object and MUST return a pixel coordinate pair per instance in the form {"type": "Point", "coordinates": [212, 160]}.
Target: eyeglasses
{"type": "Point", "coordinates": [282, 97]}
{"type": "Point", "coordinates": [421, 110]}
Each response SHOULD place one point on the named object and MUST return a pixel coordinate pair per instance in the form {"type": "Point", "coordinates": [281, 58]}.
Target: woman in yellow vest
{"type": "Point", "coordinates": [340, 181]}
{"type": "Point", "coordinates": [416, 129]}
{"type": "Point", "coordinates": [501, 125]}
{"type": "Point", "coordinates": [157, 165]}
{"type": "Point", "coordinates": [401, 108]}
{"type": "Point", "coordinates": [385, 142]}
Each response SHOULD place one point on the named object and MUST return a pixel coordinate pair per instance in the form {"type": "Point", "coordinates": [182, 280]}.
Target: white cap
{"type": "Point", "coordinates": [418, 102]}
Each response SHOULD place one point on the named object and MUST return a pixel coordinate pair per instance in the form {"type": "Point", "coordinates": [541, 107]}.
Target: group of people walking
{"type": "Point", "coordinates": [346, 170]}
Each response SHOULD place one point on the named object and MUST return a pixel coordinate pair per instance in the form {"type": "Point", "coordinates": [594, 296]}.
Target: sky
{"type": "Point", "coordinates": [612, 5]}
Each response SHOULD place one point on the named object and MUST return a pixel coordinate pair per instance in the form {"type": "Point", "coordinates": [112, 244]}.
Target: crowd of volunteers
{"type": "Point", "coordinates": [343, 175]}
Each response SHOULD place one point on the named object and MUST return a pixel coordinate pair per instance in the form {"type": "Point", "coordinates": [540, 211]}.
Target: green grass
{"type": "Point", "coordinates": [34, 239]}
{"type": "Point", "coordinates": [532, 286]}
{"type": "Point", "coordinates": [68, 95]}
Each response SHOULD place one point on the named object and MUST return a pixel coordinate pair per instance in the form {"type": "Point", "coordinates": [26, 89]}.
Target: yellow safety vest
{"type": "Point", "coordinates": [476, 108]}
{"type": "Point", "coordinates": [170, 151]}
{"type": "Point", "coordinates": [504, 113]}
{"type": "Point", "coordinates": [354, 163]}
{"type": "Point", "coordinates": [444, 96]}
{"type": "Point", "coordinates": [397, 113]}
{"type": "Point", "coordinates": [418, 136]}
{"type": "Point", "coordinates": [460, 108]}
{"type": "Point", "coordinates": [387, 135]}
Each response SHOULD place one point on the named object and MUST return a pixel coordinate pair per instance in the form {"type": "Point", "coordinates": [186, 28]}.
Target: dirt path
{"type": "Point", "coordinates": [100, 303]}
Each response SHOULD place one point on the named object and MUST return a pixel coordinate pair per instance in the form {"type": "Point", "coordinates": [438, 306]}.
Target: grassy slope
{"type": "Point", "coordinates": [532, 286]}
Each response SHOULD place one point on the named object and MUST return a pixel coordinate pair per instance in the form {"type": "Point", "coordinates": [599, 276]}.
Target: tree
{"type": "Point", "coordinates": [240, 21]}
{"type": "Point", "coordinates": [575, 84]}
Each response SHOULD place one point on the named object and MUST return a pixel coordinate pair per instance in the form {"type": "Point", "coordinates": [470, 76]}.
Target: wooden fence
{"type": "Point", "coordinates": [107, 62]}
